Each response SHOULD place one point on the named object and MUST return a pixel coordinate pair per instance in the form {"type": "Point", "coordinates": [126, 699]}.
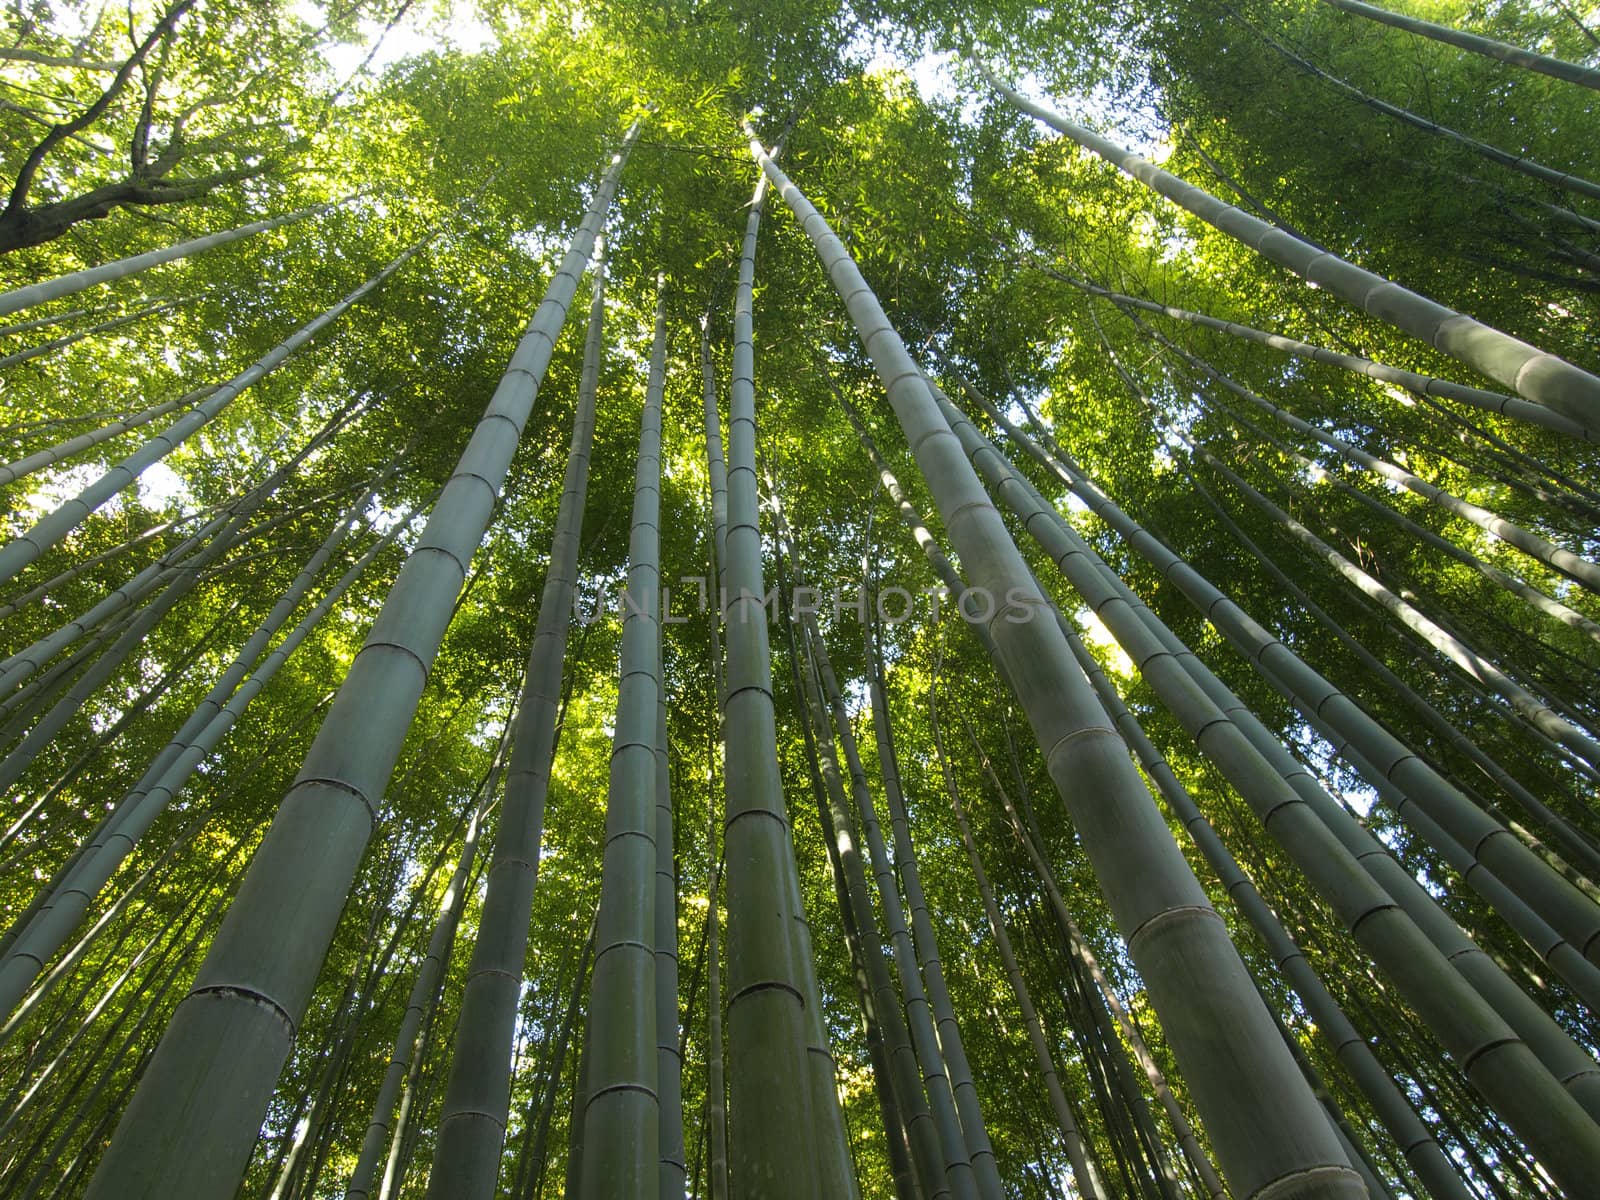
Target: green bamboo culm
{"type": "Point", "coordinates": [1526, 540]}
{"type": "Point", "coordinates": [962, 1086]}
{"type": "Point", "coordinates": [622, 1119]}
{"type": "Point", "coordinates": [838, 1170]}
{"type": "Point", "coordinates": [774, 1140]}
{"type": "Point", "coordinates": [1504, 158]}
{"type": "Point", "coordinates": [669, 1062]}
{"type": "Point", "coordinates": [1072, 1139]}
{"type": "Point", "coordinates": [1533, 373]}
{"type": "Point", "coordinates": [716, 1085]}
{"type": "Point", "coordinates": [196, 1112]}
{"type": "Point", "coordinates": [1411, 381]}
{"type": "Point", "coordinates": [1422, 1152]}
{"type": "Point", "coordinates": [1545, 64]}
{"type": "Point", "coordinates": [420, 1003]}
{"type": "Point", "coordinates": [472, 1122]}
{"type": "Point", "coordinates": [77, 281]}
{"type": "Point", "coordinates": [1567, 909]}
{"type": "Point", "coordinates": [926, 1044]}
{"type": "Point", "coordinates": [49, 530]}
{"type": "Point", "coordinates": [911, 1102]}
{"type": "Point", "coordinates": [1393, 919]}
{"type": "Point", "coordinates": [61, 911]}
{"type": "Point", "coordinates": [1268, 1131]}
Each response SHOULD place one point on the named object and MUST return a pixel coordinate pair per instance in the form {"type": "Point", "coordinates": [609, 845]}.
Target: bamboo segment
{"type": "Point", "coordinates": [1037, 1040]}
{"type": "Point", "coordinates": [669, 1062]}
{"type": "Point", "coordinates": [40, 459]}
{"type": "Point", "coordinates": [958, 1168]}
{"type": "Point", "coordinates": [419, 1004]}
{"type": "Point", "coordinates": [928, 1161]}
{"type": "Point", "coordinates": [962, 1086]}
{"type": "Point", "coordinates": [1514, 162]}
{"type": "Point", "coordinates": [1418, 959]}
{"type": "Point", "coordinates": [67, 902]}
{"type": "Point", "coordinates": [213, 1072]}
{"type": "Point", "coordinates": [1267, 1128]}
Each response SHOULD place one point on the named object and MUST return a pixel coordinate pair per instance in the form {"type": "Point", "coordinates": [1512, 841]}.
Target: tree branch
{"type": "Point", "coordinates": [34, 226]}
{"type": "Point", "coordinates": [59, 133]}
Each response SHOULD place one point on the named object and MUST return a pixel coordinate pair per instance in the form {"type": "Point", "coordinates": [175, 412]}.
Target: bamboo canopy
{"type": "Point", "coordinates": [1036, 640]}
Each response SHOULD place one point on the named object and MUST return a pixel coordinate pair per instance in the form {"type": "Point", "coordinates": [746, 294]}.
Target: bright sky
{"type": "Point", "coordinates": [463, 30]}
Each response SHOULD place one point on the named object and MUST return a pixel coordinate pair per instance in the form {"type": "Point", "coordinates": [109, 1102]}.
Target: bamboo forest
{"type": "Point", "coordinates": [799, 600]}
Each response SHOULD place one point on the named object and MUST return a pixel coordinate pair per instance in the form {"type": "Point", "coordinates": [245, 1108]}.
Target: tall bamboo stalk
{"type": "Point", "coordinates": [77, 281]}
{"type": "Point", "coordinates": [1071, 1138]}
{"type": "Point", "coordinates": [958, 1167]}
{"type": "Point", "coordinates": [472, 1122]}
{"type": "Point", "coordinates": [927, 1158]}
{"type": "Point", "coordinates": [775, 1139]}
{"type": "Point", "coordinates": [213, 1072]}
{"type": "Point", "coordinates": [964, 1089]}
{"type": "Point", "coordinates": [63, 907]}
{"type": "Point", "coordinates": [1415, 957]}
{"type": "Point", "coordinates": [1488, 47]}
{"type": "Point", "coordinates": [1566, 908]}
{"type": "Point", "coordinates": [49, 530]}
{"type": "Point", "coordinates": [1266, 1126]}
{"type": "Point", "coordinates": [419, 1004]}
{"type": "Point", "coordinates": [1424, 386]}
{"type": "Point", "coordinates": [1534, 374]}
{"type": "Point", "coordinates": [1505, 158]}
{"type": "Point", "coordinates": [669, 1060]}
{"type": "Point", "coordinates": [622, 1117]}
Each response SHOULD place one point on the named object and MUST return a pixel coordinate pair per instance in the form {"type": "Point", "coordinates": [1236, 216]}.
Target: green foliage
{"type": "Point", "coordinates": [971, 225]}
